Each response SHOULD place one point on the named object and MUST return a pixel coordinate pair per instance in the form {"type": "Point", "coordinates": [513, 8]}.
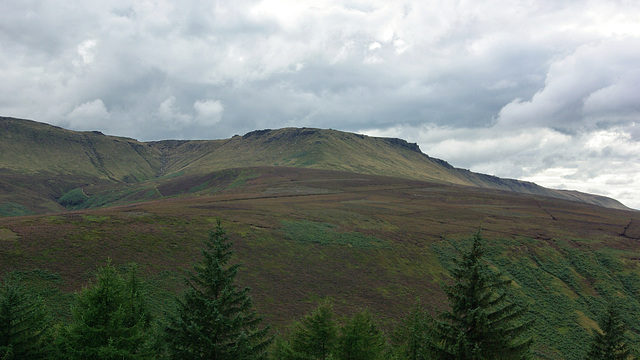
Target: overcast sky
{"type": "Point", "coordinates": [547, 91]}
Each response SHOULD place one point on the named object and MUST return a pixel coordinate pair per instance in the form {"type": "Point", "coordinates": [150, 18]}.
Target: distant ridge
{"type": "Point", "coordinates": [40, 162]}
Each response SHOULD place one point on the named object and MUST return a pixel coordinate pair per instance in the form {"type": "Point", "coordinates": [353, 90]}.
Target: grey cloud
{"type": "Point", "coordinates": [543, 90]}
{"type": "Point", "coordinates": [590, 87]}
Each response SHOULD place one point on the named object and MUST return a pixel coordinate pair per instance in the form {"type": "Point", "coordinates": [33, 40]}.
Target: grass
{"type": "Point", "coordinates": [13, 209]}
{"type": "Point", "coordinates": [7, 235]}
{"type": "Point", "coordinates": [73, 199]}
{"type": "Point", "coordinates": [325, 233]}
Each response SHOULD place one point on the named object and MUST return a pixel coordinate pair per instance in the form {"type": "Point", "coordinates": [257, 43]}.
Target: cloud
{"type": "Point", "coordinates": [169, 113]}
{"type": "Point", "coordinates": [514, 89]}
{"type": "Point", "coordinates": [594, 86]}
{"type": "Point", "coordinates": [88, 116]}
{"type": "Point", "coordinates": [208, 111]}
{"type": "Point", "coordinates": [86, 52]}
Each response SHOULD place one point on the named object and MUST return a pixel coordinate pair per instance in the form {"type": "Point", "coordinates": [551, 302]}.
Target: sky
{"type": "Point", "coordinates": [540, 90]}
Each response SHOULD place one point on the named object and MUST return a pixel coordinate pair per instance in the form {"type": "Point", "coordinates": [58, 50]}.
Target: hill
{"type": "Point", "coordinates": [44, 168]}
{"type": "Point", "coordinates": [365, 241]}
{"type": "Point", "coordinates": [368, 222]}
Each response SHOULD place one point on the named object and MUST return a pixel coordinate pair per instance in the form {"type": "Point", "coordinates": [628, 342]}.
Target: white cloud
{"type": "Point", "coordinates": [89, 115]}
{"type": "Point", "coordinates": [86, 52]}
{"type": "Point", "coordinates": [171, 114]}
{"type": "Point", "coordinates": [209, 111]}
{"type": "Point", "coordinates": [595, 84]}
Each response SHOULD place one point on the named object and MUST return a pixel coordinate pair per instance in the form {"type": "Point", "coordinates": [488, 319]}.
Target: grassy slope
{"type": "Point", "coordinates": [74, 160]}
{"type": "Point", "coordinates": [377, 242]}
{"type": "Point", "coordinates": [336, 150]}
{"type": "Point", "coordinates": [322, 149]}
{"type": "Point", "coordinates": [32, 148]}
{"type": "Point", "coordinates": [39, 163]}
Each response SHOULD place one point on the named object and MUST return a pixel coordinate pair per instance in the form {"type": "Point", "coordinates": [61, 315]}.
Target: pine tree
{"type": "Point", "coordinates": [316, 335]}
{"type": "Point", "coordinates": [611, 343]}
{"type": "Point", "coordinates": [360, 339]}
{"type": "Point", "coordinates": [282, 350]}
{"type": "Point", "coordinates": [412, 335]}
{"type": "Point", "coordinates": [482, 322]}
{"type": "Point", "coordinates": [214, 319]}
{"type": "Point", "coordinates": [110, 320]}
{"type": "Point", "coordinates": [24, 322]}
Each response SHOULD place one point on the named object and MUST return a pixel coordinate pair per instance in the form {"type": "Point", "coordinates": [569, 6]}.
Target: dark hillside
{"type": "Point", "coordinates": [363, 240]}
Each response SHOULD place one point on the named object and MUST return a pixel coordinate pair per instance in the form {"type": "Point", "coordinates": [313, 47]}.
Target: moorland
{"type": "Point", "coordinates": [313, 214]}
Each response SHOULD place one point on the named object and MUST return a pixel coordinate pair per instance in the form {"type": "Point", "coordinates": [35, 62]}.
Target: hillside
{"type": "Point", "coordinates": [367, 222]}
{"type": "Point", "coordinates": [40, 163]}
{"type": "Point", "coordinates": [365, 241]}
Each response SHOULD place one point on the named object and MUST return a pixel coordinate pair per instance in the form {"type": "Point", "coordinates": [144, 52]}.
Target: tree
{"type": "Point", "coordinates": [110, 319]}
{"type": "Point", "coordinates": [611, 343]}
{"type": "Point", "coordinates": [316, 334]}
{"type": "Point", "coordinates": [215, 319]}
{"type": "Point", "coordinates": [314, 337]}
{"type": "Point", "coordinates": [482, 322]}
{"type": "Point", "coordinates": [24, 322]}
{"type": "Point", "coordinates": [360, 339]}
{"type": "Point", "coordinates": [412, 335]}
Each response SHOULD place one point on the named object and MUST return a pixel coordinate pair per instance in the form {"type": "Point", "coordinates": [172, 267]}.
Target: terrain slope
{"type": "Point", "coordinates": [40, 163]}
{"type": "Point", "coordinates": [364, 241]}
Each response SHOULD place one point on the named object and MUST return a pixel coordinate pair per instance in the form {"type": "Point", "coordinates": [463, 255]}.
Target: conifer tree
{"type": "Point", "coordinates": [611, 343]}
{"type": "Point", "coordinates": [360, 339]}
{"type": "Point", "coordinates": [215, 319]}
{"type": "Point", "coordinates": [110, 320]}
{"type": "Point", "coordinates": [482, 322]}
{"type": "Point", "coordinates": [314, 337]}
{"type": "Point", "coordinates": [24, 322]}
{"type": "Point", "coordinates": [412, 335]}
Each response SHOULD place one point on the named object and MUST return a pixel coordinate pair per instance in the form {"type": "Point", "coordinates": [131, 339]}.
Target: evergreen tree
{"type": "Point", "coordinates": [482, 322]}
{"type": "Point", "coordinates": [282, 350]}
{"type": "Point", "coordinates": [214, 319]}
{"type": "Point", "coordinates": [24, 322]}
{"type": "Point", "coordinates": [316, 335]}
{"type": "Point", "coordinates": [412, 335]}
{"type": "Point", "coordinates": [110, 320]}
{"type": "Point", "coordinates": [611, 343]}
{"type": "Point", "coordinates": [360, 339]}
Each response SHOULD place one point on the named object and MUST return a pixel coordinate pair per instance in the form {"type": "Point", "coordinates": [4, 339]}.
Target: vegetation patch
{"type": "Point", "coordinates": [95, 218]}
{"type": "Point", "coordinates": [304, 231]}
{"type": "Point", "coordinates": [126, 195]}
{"type": "Point", "coordinates": [242, 179]}
{"type": "Point", "coordinates": [557, 283]}
{"type": "Point", "coordinates": [205, 185]}
{"type": "Point", "coordinates": [12, 209]}
{"type": "Point", "coordinates": [47, 285]}
{"type": "Point", "coordinates": [7, 235]}
{"type": "Point", "coordinates": [73, 199]}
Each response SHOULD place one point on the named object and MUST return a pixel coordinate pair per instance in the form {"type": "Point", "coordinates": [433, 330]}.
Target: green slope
{"type": "Point", "coordinates": [336, 150]}
{"type": "Point", "coordinates": [309, 148]}
{"type": "Point", "coordinates": [32, 148]}
{"type": "Point", "coordinates": [60, 161]}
